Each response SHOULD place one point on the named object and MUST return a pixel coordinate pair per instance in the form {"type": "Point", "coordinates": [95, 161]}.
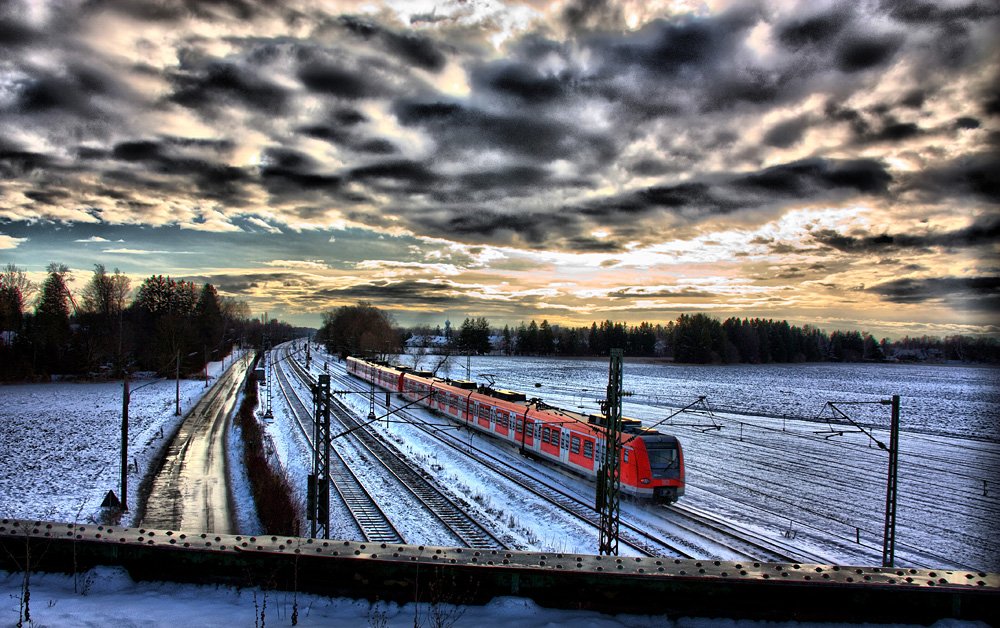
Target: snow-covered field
{"type": "Point", "coordinates": [775, 464]}
{"type": "Point", "coordinates": [60, 442]}
{"type": "Point", "coordinates": [59, 447]}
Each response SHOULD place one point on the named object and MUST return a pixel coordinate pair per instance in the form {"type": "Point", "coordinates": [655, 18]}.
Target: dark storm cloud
{"type": "Point", "coordinates": [787, 133]}
{"type": "Point", "coordinates": [349, 138]}
{"type": "Point", "coordinates": [810, 179]}
{"type": "Point", "coordinates": [802, 179]}
{"type": "Point", "coordinates": [396, 293]}
{"type": "Point", "coordinates": [177, 10]}
{"type": "Point", "coordinates": [287, 173]}
{"type": "Point", "coordinates": [328, 78]}
{"type": "Point", "coordinates": [974, 293]}
{"type": "Point", "coordinates": [642, 293]}
{"type": "Point", "coordinates": [483, 224]}
{"type": "Point", "coordinates": [520, 81]}
{"type": "Point", "coordinates": [80, 88]}
{"type": "Point", "coordinates": [974, 175]}
{"type": "Point", "coordinates": [919, 12]}
{"type": "Point", "coordinates": [664, 48]}
{"type": "Point", "coordinates": [14, 33]}
{"type": "Point", "coordinates": [215, 180]}
{"type": "Point", "coordinates": [874, 125]}
{"type": "Point", "coordinates": [223, 83]}
{"type": "Point", "coordinates": [413, 48]}
{"type": "Point", "coordinates": [863, 51]}
{"type": "Point", "coordinates": [984, 232]}
{"type": "Point", "coordinates": [236, 284]}
{"type": "Point", "coordinates": [458, 127]}
{"type": "Point", "coordinates": [814, 29]}
{"type": "Point", "coordinates": [15, 163]}
{"type": "Point", "coordinates": [584, 15]}
{"type": "Point", "coordinates": [410, 172]}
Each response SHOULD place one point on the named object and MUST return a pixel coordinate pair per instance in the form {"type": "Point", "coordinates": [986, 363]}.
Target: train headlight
{"type": "Point", "coordinates": [644, 481]}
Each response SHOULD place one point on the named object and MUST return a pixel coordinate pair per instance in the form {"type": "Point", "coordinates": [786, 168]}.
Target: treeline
{"type": "Point", "coordinates": [108, 328]}
{"type": "Point", "coordinates": [700, 339]}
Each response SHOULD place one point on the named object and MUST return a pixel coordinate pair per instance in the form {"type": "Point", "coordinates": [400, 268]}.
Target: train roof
{"type": "Point", "coordinates": [506, 395]}
{"type": "Point", "coordinates": [629, 426]}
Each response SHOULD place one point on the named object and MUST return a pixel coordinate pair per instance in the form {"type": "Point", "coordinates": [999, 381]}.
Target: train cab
{"type": "Point", "coordinates": [662, 477]}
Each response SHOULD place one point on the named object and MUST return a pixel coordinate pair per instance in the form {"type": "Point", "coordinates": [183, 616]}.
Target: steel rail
{"type": "Point", "coordinates": [773, 549]}
{"type": "Point", "coordinates": [371, 520]}
{"type": "Point", "coordinates": [455, 518]}
{"type": "Point", "coordinates": [726, 534]}
{"type": "Point", "coordinates": [634, 537]}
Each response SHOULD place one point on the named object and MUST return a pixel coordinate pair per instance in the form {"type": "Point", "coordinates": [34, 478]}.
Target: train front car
{"type": "Point", "coordinates": [660, 462]}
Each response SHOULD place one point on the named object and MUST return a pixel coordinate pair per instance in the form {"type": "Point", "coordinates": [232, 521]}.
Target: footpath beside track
{"type": "Point", "coordinates": [191, 491]}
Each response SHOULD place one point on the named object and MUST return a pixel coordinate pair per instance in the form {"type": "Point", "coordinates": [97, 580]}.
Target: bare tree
{"type": "Point", "coordinates": [16, 290]}
{"type": "Point", "coordinates": [106, 294]}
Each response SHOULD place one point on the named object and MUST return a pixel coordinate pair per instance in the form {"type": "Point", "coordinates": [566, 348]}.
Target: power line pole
{"type": "Point", "coordinates": [268, 376]}
{"type": "Point", "coordinates": [609, 482]}
{"type": "Point", "coordinates": [889, 539]}
{"type": "Point", "coordinates": [318, 488]}
{"type": "Point", "coordinates": [124, 461]}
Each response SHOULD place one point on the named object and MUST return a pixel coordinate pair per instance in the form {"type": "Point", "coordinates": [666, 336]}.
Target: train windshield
{"type": "Point", "coordinates": [664, 460]}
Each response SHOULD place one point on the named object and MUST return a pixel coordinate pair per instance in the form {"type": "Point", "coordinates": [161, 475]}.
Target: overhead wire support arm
{"type": "Point", "coordinates": [833, 407]}
{"type": "Point", "coordinates": [891, 491]}
{"type": "Point", "coordinates": [701, 400]}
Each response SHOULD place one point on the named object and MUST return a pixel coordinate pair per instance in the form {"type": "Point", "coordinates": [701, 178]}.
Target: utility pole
{"type": "Point", "coordinates": [124, 462]}
{"type": "Point", "coordinates": [177, 377]}
{"type": "Point", "coordinates": [609, 480]}
{"type": "Point", "coordinates": [889, 539]}
{"type": "Point", "coordinates": [318, 487]}
{"type": "Point", "coordinates": [268, 376]}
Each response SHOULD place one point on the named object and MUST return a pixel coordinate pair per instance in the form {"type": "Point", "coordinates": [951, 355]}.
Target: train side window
{"type": "Point", "coordinates": [574, 444]}
{"type": "Point", "coordinates": [626, 455]}
{"type": "Point", "coordinates": [588, 449]}
{"type": "Point", "coordinates": [519, 426]}
{"type": "Point", "coordinates": [545, 434]}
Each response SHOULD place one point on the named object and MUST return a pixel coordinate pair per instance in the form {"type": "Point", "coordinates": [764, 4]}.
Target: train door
{"type": "Point", "coordinates": [525, 429]}
{"type": "Point", "coordinates": [502, 423]}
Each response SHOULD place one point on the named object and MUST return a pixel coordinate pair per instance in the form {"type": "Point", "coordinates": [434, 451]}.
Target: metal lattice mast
{"type": "Point", "coordinates": [318, 489]}
{"type": "Point", "coordinates": [889, 539]}
{"type": "Point", "coordinates": [609, 483]}
{"type": "Point", "coordinates": [268, 376]}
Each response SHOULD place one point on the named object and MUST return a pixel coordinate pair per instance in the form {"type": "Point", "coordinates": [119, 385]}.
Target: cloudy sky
{"type": "Point", "coordinates": [829, 163]}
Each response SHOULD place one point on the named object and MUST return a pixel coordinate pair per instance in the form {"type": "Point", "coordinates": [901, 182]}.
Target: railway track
{"type": "Point", "coordinates": [632, 536]}
{"type": "Point", "coordinates": [371, 520]}
{"type": "Point", "coordinates": [766, 548]}
{"type": "Point", "coordinates": [739, 540]}
{"type": "Point", "coordinates": [470, 532]}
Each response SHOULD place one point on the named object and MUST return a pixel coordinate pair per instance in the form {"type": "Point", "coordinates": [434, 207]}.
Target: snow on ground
{"type": "Point", "coordinates": [59, 447]}
{"type": "Point", "coordinates": [60, 443]}
{"type": "Point", "coordinates": [109, 598]}
{"type": "Point", "coordinates": [772, 467]}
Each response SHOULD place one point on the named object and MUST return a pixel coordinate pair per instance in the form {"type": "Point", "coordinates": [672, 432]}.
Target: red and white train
{"type": "Point", "coordinates": [652, 464]}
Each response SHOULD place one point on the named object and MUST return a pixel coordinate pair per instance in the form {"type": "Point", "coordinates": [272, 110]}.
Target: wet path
{"type": "Point", "coordinates": [191, 492]}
